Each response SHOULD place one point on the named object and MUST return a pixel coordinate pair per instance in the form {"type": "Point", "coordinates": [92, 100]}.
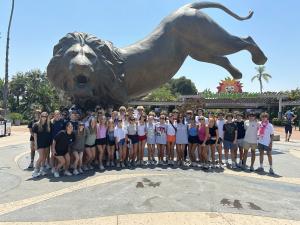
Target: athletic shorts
{"type": "Point", "coordinates": [288, 129]}
{"type": "Point", "coordinates": [101, 141]}
{"type": "Point", "coordinates": [240, 143]}
{"type": "Point", "coordinates": [90, 146]}
{"type": "Point", "coordinates": [248, 146]}
{"type": "Point", "coordinates": [142, 138]}
{"type": "Point", "coordinates": [262, 147]}
{"type": "Point", "coordinates": [229, 145]}
{"type": "Point", "coordinates": [134, 138]}
{"type": "Point", "coordinates": [210, 142]}
{"type": "Point", "coordinates": [193, 139]}
{"type": "Point", "coordinates": [171, 138]}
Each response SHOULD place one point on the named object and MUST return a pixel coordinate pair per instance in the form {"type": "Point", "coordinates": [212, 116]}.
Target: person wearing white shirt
{"type": "Point", "coordinates": [220, 124]}
{"type": "Point", "coordinates": [250, 140]}
{"type": "Point", "coordinates": [265, 139]}
{"type": "Point", "coordinates": [120, 134]}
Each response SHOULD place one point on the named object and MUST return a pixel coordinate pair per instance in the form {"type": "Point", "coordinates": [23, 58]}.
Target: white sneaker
{"type": "Point", "coordinates": [53, 170]}
{"type": "Point", "coordinates": [75, 172]}
{"type": "Point", "coordinates": [123, 165]}
{"type": "Point", "coordinates": [42, 172]}
{"type": "Point", "coordinates": [80, 170]}
{"type": "Point", "coordinates": [67, 173]}
{"type": "Point", "coordinates": [101, 167]}
{"type": "Point", "coordinates": [35, 173]}
{"type": "Point", "coordinates": [56, 174]}
{"type": "Point", "coordinates": [138, 163]}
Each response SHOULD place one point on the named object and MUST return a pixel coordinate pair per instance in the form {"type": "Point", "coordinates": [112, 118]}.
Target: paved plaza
{"type": "Point", "coordinates": [149, 195]}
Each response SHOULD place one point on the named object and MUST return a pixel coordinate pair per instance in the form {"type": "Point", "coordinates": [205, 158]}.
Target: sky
{"type": "Point", "coordinates": [38, 25]}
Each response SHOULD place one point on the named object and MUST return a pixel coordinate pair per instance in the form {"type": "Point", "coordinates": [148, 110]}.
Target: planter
{"type": "Point", "coordinates": [17, 122]}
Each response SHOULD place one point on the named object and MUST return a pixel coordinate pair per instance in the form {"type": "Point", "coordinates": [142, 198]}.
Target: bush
{"type": "Point", "coordinates": [278, 122]}
{"type": "Point", "coordinates": [16, 116]}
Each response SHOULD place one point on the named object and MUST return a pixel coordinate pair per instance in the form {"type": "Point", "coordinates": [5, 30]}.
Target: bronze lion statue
{"type": "Point", "coordinates": [93, 71]}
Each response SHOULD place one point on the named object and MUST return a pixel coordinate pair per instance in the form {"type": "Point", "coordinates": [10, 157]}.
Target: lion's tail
{"type": "Point", "coordinates": [202, 5]}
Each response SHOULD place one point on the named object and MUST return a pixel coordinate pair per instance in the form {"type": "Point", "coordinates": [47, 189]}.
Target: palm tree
{"type": "Point", "coordinates": [262, 75]}
{"type": "Point", "coordinates": [5, 92]}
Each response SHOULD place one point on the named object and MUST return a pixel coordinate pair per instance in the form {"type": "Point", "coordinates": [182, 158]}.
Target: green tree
{"type": "Point", "coordinates": [161, 94]}
{"type": "Point", "coordinates": [183, 86]}
{"type": "Point", "coordinates": [17, 90]}
{"type": "Point", "coordinates": [262, 75]}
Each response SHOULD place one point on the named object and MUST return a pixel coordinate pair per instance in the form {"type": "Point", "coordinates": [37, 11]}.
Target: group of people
{"type": "Point", "coordinates": [74, 142]}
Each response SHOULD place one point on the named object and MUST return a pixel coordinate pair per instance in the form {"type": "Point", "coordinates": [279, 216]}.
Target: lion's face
{"type": "Point", "coordinates": [81, 68]}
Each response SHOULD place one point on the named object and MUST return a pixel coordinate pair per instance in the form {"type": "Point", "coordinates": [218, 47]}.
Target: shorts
{"type": "Point", "coordinates": [134, 138]}
{"type": "Point", "coordinates": [101, 141]}
{"type": "Point", "coordinates": [248, 146]}
{"type": "Point", "coordinates": [220, 141]}
{"type": "Point", "coordinates": [142, 138]}
{"type": "Point", "coordinates": [111, 143]}
{"type": "Point", "coordinates": [90, 146]}
{"type": "Point", "coordinates": [200, 142]}
{"type": "Point", "coordinates": [121, 142]}
{"type": "Point", "coordinates": [193, 140]}
{"type": "Point", "coordinates": [229, 145]}
{"type": "Point", "coordinates": [262, 147]}
{"type": "Point", "coordinates": [61, 153]}
{"type": "Point", "coordinates": [171, 138]}
{"type": "Point", "coordinates": [210, 142]}
{"type": "Point", "coordinates": [288, 128]}
{"type": "Point", "coordinates": [240, 143]}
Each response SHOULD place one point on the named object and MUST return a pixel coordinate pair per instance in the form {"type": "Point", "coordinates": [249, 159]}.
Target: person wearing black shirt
{"type": "Point", "coordinates": [42, 140]}
{"type": "Point", "coordinates": [240, 136]}
{"type": "Point", "coordinates": [32, 149]}
{"type": "Point", "coordinates": [61, 143]}
{"type": "Point", "coordinates": [230, 139]}
{"type": "Point", "coordinates": [213, 136]}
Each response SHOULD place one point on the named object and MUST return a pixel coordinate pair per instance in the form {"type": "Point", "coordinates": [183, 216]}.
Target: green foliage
{"type": "Point", "coordinates": [15, 116]}
{"type": "Point", "coordinates": [278, 122]}
{"type": "Point", "coordinates": [183, 86]}
{"type": "Point", "coordinates": [31, 90]}
{"type": "Point", "coordinates": [262, 75]}
{"type": "Point", "coordinates": [161, 94]}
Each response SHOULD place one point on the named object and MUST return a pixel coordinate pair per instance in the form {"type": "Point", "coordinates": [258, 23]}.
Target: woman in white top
{"type": "Point", "coordinates": [142, 135]}
{"type": "Point", "coordinates": [171, 139]}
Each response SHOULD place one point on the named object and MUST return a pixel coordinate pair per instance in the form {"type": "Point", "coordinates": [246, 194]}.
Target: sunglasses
{"type": "Point", "coordinates": [119, 120]}
{"type": "Point", "coordinates": [201, 119]}
{"type": "Point", "coordinates": [44, 116]}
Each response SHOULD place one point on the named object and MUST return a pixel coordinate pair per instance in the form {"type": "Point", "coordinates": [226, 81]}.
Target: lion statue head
{"type": "Point", "coordinates": [87, 69]}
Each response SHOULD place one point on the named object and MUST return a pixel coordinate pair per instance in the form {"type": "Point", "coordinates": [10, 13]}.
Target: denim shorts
{"type": "Point", "coordinates": [262, 147]}
{"type": "Point", "coordinates": [229, 145]}
{"type": "Point", "coordinates": [122, 142]}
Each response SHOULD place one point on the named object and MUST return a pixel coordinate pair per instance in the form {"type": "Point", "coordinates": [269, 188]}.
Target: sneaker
{"type": "Point", "coordinates": [85, 168]}
{"type": "Point", "coordinates": [142, 163]}
{"type": "Point", "coordinates": [240, 164]}
{"type": "Point", "coordinates": [233, 166]}
{"type": "Point", "coordinates": [47, 167]}
{"type": "Point", "coordinates": [80, 170]}
{"type": "Point", "coordinates": [67, 173]}
{"type": "Point", "coordinates": [251, 168]}
{"type": "Point", "coordinates": [213, 166]}
{"type": "Point", "coordinates": [118, 165]}
{"type": "Point", "coordinates": [90, 167]}
{"type": "Point", "coordinates": [206, 166]}
{"type": "Point", "coordinates": [53, 170]}
{"type": "Point", "coordinates": [101, 167]}
{"type": "Point", "coordinates": [123, 165]}
{"type": "Point", "coordinates": [112, 164]}
{"type": "Point", "coordinates": [43, 172]}
{"type": "Point", "coordinates": [137, 163]}
{"type": "Point", "coordinates": [260, 169]}
{"type": "Point", "coordinates": [75, 172]}
{"type": "Point", "coordinates": [35, 173]}
{"type": "Point", "coordinates": [169, 162]}
{"type": "Point", "coordinates": [160, 162]}
{"type": "Point", "coordinates": [56, 174]}
{"type": "Point", "coordinates": [30, 165]}
{"type": "Point", "coordinates": [107, 164]}
{"type": "Point", "coordinates": [271, 171]}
